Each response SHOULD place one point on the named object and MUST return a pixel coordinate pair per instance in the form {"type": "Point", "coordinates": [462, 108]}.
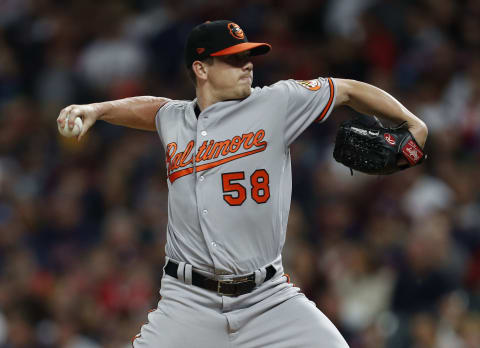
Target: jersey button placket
{"type": "Point", "coordinates": [204, 134]}
{"type": "Point", "coordinates": [202, 191]}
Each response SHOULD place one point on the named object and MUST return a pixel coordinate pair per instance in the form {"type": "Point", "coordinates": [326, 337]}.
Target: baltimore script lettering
{"type": "Point", "coordinates": [210, 149]}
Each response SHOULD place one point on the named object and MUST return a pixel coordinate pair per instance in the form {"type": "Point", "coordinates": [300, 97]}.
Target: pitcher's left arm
{"type": "Point", "coordinates": [370, 100]}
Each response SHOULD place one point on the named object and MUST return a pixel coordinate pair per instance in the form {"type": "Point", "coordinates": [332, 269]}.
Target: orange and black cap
{"type": "Point", "coordinates": [219, 38]}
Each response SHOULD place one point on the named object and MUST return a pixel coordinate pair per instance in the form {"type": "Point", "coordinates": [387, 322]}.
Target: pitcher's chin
{"type": "Point", "coordinates": [244, 90]}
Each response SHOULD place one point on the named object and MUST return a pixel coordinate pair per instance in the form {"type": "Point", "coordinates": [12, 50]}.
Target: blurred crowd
{"type": "Point", "coordinates": [393, 261]}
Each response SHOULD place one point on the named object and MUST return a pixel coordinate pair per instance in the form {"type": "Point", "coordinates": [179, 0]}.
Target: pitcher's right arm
{"type": "Point", "coordinates": [134, 112]}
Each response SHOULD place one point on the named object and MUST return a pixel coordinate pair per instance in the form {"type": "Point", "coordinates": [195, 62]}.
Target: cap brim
{"type": "Point", "coordinates": [256, 48]}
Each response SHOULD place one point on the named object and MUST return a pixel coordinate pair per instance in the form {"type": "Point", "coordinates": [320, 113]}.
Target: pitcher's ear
{"type": "Point", "coordinates": [200, 69]}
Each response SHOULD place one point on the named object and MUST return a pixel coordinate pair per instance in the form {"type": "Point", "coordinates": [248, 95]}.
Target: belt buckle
{"type": "Point", "coordinates": [219, 285]}
{"type": "Point", "coordinates": [238, 280]}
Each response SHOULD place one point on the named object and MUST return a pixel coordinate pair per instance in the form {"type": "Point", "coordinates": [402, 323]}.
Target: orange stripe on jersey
{"type": "Point", "coordinates": [174, 176]}
{"type": "Point", "coordinates": [330, 101]}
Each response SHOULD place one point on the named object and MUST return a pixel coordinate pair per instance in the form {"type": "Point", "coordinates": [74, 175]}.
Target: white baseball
{"type": "Point", "coordinates": [67, 132]}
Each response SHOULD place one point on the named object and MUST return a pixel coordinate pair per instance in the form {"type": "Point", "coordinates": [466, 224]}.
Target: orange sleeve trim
{"type": "Point", "coordinates": [134, 338]}
{"type": "Point", "coordinates": [330, 101]}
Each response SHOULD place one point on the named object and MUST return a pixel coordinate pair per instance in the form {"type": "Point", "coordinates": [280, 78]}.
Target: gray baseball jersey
{"type": "Point", "coordinates": [229, 173]}
{"type": "Point", "coordinates": [229, 182]}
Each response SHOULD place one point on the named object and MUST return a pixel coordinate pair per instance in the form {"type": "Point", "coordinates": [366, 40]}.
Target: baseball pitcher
{"type": "Point", "coordinates": [229, 180]}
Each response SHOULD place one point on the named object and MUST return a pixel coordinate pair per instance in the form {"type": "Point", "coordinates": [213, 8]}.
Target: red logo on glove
{"type": "Point", "coordinates": [412, 152]}
{"type": "Point", "coordinates": [389, 139]}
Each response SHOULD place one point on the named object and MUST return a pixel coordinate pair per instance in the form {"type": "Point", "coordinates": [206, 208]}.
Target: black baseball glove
{"type": "Point", "coordinates": [363, 144]}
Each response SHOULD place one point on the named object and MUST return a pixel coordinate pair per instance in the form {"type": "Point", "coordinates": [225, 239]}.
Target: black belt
{"type": "Point", "coordinates": [232, 287]}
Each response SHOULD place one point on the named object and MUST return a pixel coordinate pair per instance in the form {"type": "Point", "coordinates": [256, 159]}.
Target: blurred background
{"type": "Point", "coordinates": [393, 261]}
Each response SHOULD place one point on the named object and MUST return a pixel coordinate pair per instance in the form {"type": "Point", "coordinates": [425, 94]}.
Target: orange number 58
{"type": "Point", "coordinates": [235, 193]}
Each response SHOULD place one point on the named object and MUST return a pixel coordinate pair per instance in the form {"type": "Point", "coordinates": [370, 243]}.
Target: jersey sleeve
{"type": "Point", "coordinates": [307, 101]}
{"type": "Point", "coordinates": [158, 118]}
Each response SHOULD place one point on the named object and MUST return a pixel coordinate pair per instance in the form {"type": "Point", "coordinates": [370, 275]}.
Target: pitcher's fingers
{"type": "Point", "coordinates": [63, 115]}
{"type": "Point", "coordinates": [87, 123]}
{"type": "Point", "coordinates": [72, 115]}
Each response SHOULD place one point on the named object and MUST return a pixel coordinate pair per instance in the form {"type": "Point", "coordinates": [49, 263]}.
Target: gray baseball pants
{"type": "Point", "coordinates": [274, 315]}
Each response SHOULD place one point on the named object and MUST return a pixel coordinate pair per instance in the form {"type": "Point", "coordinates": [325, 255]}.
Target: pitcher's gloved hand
{"type": "Point", "coordinates": [366, 146]}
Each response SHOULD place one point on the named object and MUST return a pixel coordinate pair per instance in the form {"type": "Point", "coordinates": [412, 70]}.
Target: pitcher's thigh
{"type": "Point", "coordinates": [184, 329]}
{"type": "Point", "coordinates": [295, 323]}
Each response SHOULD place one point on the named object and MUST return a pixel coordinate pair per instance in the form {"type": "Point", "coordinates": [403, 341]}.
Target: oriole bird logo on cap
{"type": "Point", "coordinates": [236, 31]}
